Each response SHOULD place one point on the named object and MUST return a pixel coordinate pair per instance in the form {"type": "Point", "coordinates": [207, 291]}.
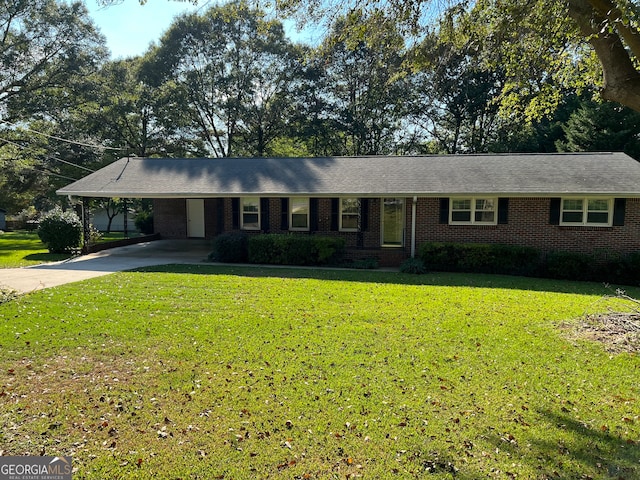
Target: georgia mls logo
{"type": "Point", "coordinates": [35, 468]}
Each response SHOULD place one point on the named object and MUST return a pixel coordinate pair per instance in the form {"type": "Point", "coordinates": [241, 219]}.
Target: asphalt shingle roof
{"type": "Point", "coordinates": [502, 174]}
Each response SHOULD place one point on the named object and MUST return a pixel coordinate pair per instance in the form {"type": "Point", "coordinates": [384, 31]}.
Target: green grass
{"type": "Point", "coordinates": [21, 249]}
{"type": "Point", "coordinates": [215, 372]}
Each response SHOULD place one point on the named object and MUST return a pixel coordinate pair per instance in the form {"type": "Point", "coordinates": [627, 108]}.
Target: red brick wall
{"type": "Point", "coordinates": [528, 225]}
{"type": "Point", "coordinates": [170, 217]}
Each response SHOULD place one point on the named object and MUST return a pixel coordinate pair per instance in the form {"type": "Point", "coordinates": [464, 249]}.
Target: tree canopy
{"type": "Point", "coordinates": [544, 45]}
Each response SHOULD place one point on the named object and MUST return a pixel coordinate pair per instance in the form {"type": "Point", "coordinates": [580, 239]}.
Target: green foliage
{"type": "Point", "coordinates": [364, 264]}
{"type": "Point", "coordinates": [60, 231]}
{"type": "Point", "coordinates": [569, 265]}
{"type": "Point", "coordinates": [474, 257]}
{"type": "Point", "coordinates": [602, 127]}
{"type": "Point", "coordinates": [230, 247]}
{"type": "Point", "coordinates": [413, 265]}
{"type": "Point", "coordinates": [144, 222]}
{"type": "Point", "coordinates": [294, 249]}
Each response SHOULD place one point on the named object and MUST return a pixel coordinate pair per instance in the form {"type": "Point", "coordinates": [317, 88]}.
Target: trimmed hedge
{"type": "Point", "coordinates": [515, 260]}
{"type": "Point", "coordinates": [230, 248]}
{"type": "Point", "coordinates": [477, 257]}
{"type": "Point", "coordinates": [278, 249]}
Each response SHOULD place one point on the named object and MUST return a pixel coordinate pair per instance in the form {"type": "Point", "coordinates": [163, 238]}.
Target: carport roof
{"type": "Point", "coordinates": [604, 174]}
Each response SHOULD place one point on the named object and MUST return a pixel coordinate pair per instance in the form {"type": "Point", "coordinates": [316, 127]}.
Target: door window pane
{"type": "Point", "coordinates": [393, 222]}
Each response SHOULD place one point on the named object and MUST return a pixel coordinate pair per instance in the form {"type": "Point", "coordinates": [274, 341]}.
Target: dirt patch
{"type": "Point", "coordinates": [618, 332]}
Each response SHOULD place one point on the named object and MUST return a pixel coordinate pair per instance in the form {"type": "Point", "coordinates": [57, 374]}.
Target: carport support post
{"type": "Point", "coordinates": [86, 233]}
{"type": "Point", "coordinates": [126, 215]}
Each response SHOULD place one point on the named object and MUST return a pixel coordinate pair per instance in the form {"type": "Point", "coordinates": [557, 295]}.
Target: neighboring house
{"type": "Point", "coordinates": [385, 207]}
{"type": "Point", "coordinates": [3, 219]}
{"type": "Point", "coordinates": [100, 220]}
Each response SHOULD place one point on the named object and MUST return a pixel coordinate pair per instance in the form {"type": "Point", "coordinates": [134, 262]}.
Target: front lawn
{"type": "Point", "coordinates": [21, 248]}
{"type": "Point", "coordinates": [241, 373]}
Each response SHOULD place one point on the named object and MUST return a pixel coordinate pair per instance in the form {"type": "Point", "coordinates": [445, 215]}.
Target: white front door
{"type": "Point", "coordinates": [195, 218]}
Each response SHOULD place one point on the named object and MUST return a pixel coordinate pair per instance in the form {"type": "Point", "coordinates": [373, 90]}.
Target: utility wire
{"type": "Point", "coordinates": [72, 142]}
{"type": "Point", "coordinates": [48, 156]}
{"type": "Point", "coordinates": [46, 172]}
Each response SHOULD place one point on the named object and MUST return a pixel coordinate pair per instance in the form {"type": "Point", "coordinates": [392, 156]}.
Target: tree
{"type": "Point", "coordinates": [233, 70]}
{"type": "Point", "coordinates": [597, 127]}
{"type": "Point", "coordinates": [364, 83]}
{"type": "Point", "coordinates": [44, 44]}
{"type": "Point", "coordinates": [579, 42]}
{"type": "Point", "coordinates": [455, 96]}
{"type": "Point", "coordinates": [131, 114]}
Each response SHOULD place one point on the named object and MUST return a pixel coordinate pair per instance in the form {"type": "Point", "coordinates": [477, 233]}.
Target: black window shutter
{"type": "Point", "coordinates": [219, 215]}
{"type": "Point", "coordinates": [335, 214]}
{"type": "Point", "coordinates": [503, 211]}
{"type": "Point", "coordinates": [313, 214]}
{"type": "Point", "coordinates": [364, 214]}
{"type": "Point", "coordinates": [444, 210]}
{"type": "Point", "coordinates": [264, 214]}
{"type": "Point", "coordinates": [284, 211]}
{"type": "Point", "coordinates": [554, 211]}
{"type": "Point", "coordinates": [619, 205]}
{"type": "Point", "coordinates": [235, 212]}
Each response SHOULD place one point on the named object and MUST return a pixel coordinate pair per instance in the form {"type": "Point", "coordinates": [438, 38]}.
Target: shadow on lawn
{"type": "Point", "coordinates": [392, 277]}
{"type": "Point", "coordinates": [596, 449]}
{"type": "Point", "coordinates": [580, 451]}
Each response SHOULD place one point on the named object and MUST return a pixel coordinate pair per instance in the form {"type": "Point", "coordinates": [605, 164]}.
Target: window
{"type": "Point", "coordinates": [250, 214]}
{"type": "Point", "coordinates": [481, 211]}
{"type": "Point", "coordinates": [299, 214]}
{"type": "Point", "coordinates": [586, 211]}
{"type": "Point", "coordinates": [349, 214]}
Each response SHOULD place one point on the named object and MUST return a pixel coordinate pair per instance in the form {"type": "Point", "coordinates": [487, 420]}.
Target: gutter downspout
{"type": "Point", "coordinates": [413, 226]}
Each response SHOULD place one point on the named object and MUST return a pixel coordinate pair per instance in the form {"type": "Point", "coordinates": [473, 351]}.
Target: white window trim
{"type": "Point", "coordinates": [472, 220]}
{"type": "Point", "coordinates": [585, 212]}
{"type": "Point", "coordinates": [299, 229]}
{"type": "Point", "coordinates": [242, 212]}
{"type": "Point", "coordinates": [340, 227]}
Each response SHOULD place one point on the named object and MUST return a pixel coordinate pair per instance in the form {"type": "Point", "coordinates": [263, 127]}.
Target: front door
{"type": "Point", "coordinates": [195, 218]}
{"type": "Point", "coordinates": [392, 222]}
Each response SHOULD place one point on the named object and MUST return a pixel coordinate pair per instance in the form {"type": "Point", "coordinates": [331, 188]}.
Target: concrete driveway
{"type": "Point", "coordinates": [159, 252]}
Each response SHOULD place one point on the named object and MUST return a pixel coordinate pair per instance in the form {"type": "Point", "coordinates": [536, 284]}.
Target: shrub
{"type": "Point", "coordinates": [570, 266]}
{"type": "Point", "coordinates": [144, 222]}
{"type": "Point", "coordinates": [230, 248]}
{"type": "Point", "coordinates": [294, 249]}
{"type": "Point", "coordinates": [413, 265]}
{"type": "Point", "coordinates": [476, 257]}
{"type": "Point", "coordinates": [365, 264]}
{"type": "Point", "coordinates": [60, 231]}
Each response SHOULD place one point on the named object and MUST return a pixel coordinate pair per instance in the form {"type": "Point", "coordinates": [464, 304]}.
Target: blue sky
{"type": "Point", "coordinates": [130, 27]}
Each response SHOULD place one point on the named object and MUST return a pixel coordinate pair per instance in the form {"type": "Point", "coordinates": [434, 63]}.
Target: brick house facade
{"type": "Point", "coordinates": [581, 202]}
{"type": "Point", "coordinates": [527, 222]}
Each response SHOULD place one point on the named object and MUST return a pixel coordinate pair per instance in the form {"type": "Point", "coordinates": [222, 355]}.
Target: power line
{"type": "Point", "coordinates": [72, 142]}
{"type": "Point", "coordinates": [48, 156]}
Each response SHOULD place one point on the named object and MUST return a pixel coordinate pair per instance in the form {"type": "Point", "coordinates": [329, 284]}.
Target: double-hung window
{"type": "Point", "coordinates": [473, 211]}
{"type": "Point", "coordinates": [586, 211]}
{"type": "Point", "coordinates": [349, 214]}
{"type": "Point", "coordinates": [250, 214]}
{"type": "Point", "coordinates": [299, 213]}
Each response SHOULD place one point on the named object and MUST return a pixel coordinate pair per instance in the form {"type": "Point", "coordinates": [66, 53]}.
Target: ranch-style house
{"type": "Point", "coordinates": [386, 206]}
